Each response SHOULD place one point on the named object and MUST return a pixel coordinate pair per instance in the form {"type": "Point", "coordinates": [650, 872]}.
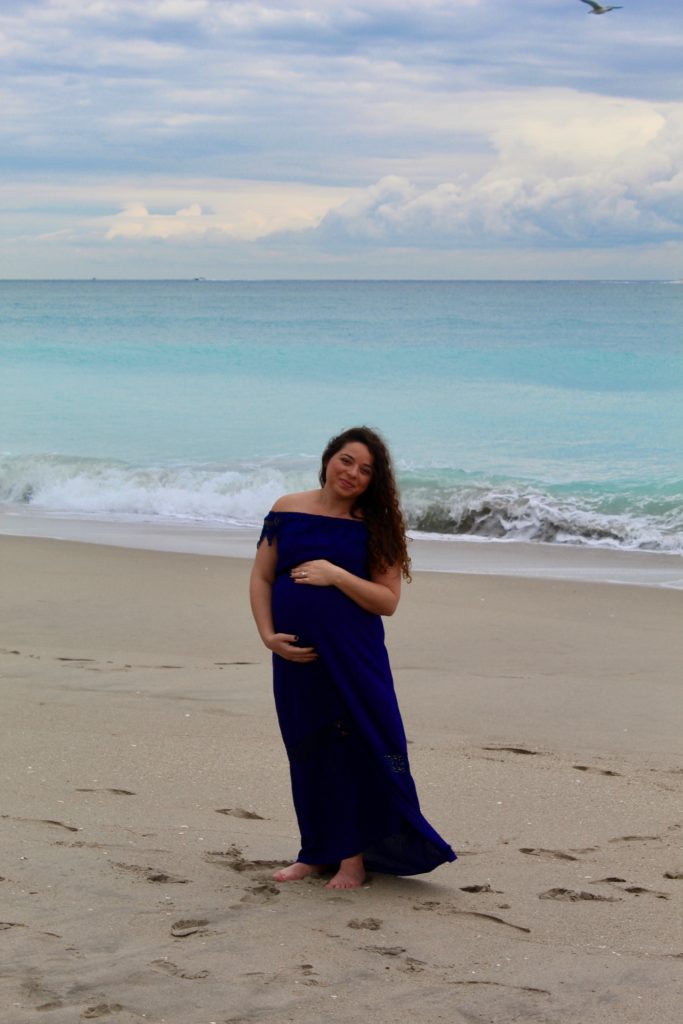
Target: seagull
{"type": "Point", "coordinates": [598, 8]}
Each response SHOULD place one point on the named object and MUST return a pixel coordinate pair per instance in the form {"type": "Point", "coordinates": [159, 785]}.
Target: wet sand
{"type": "Point", "coordinates": [146, 803]}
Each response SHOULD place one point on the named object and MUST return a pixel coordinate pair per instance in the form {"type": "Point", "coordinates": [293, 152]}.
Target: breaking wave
{"type": "Point", "coordinates": [526, 514]}
{"type": "Point", "coordinates": [627, 515]}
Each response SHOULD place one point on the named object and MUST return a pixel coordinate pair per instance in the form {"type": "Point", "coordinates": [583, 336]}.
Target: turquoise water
{"type": "Point", "coordinates": [546, 411]}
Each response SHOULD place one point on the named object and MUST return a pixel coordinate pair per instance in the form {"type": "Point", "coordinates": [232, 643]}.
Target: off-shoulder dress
{"type": "Point", "coordinates": [340, 721]}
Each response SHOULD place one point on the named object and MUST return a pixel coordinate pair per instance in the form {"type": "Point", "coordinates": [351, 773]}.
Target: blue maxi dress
{"type": "Point", "coordinates": [339, 717]}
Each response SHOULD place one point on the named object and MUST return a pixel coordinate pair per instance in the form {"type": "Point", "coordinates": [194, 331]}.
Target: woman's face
{"type": "Point", "coordinates": [349, 470]}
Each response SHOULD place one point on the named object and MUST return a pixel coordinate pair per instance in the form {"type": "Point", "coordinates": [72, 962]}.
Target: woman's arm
{"type": "Point", "coordinates": [379, 595]}
{"type": "Point", "coordinates": [261, 597]}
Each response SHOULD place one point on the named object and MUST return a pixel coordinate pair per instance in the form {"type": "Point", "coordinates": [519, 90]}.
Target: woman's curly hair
{"type": "Point", "coordinates": [379, 505]}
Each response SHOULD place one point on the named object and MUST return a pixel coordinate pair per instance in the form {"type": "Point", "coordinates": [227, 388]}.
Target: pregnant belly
{"type": "Point", "coordinates": [310, 612]}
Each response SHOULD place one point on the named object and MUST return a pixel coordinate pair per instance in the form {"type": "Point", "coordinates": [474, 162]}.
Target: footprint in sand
{"type": "Point", "coordinates": [191, 926]}
{"type": "Point", "coordinates": [596, 771]}
{"type": "Point", "coordinates": [546, 854]}
{"type": "Point", "coordinates": [408, 964]}
{"type": "Point", "coordinates": [678, 873]}
{"type": "Point", "coordinates": [501, 984]}
{"type": "Point", "coordinates": [81, 844]}
{"type": "Point", "coordinates": [447, 908]}
{"type": "Point", "coordinates": [178, 972]}
{"type": "Point", "coordinates": [233, 858]}
{"type": "Point", "coordinates": [152, 874]}
{"type": "Point", "coordinates": [372, 924]}
{"type": "Point", "coordinates": [511, 750]}
{"type": "Point", "coordinates": [43, 821]}
{"type": "Point", "coordinates": [490, 917]}
{"type": "Point", "coordinates": [117, 792]}
{"type": "Point", "coordinates": [639, 890]}
{"type": "Point", "coordinates": [385, 950]}
{"type": "Point", "coordinates": [634, 839]}
{"type": "Point", "coordinates": [413, 965]}
{"type": "Point", "coordinates": [572, 896]}
{"type": "Point", "coordinates": [59, 824]}
{"type": "Point", "coordinates": [635, 890]}
{"type": "Point", "coordinates": [309, 974]}
{"type": "Point", "coordinates": [240, 812]}
{"type": "Point", "coordinates": [34, 989]}
{"type": "Point", "coordinates": [101, 1010]}
{"type": "Point", "coordinates": [262, 893]}
{"type": "Point", "coordinates": [480, 888]}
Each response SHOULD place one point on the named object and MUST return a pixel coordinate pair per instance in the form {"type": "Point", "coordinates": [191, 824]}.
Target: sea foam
{"type": "Point", "coordinates": [451, 504]}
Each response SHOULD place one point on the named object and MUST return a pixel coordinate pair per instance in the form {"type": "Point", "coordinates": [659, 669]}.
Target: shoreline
{"type": "Point", "coordinates": [429, 552]}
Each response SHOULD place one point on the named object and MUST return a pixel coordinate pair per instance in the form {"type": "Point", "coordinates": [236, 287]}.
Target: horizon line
{"type": "Point", "coordinates": [200, 279]}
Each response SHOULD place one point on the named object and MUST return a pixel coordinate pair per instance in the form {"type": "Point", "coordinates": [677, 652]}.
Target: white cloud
{"type": "Point", "coordinates": [233, 211]}
{"type": "Point", "coordinates": [568, 169]}
{"type": "Point", "coordinates": [194, 210]}
{"type": "Point", "coordinates": [327, 14]}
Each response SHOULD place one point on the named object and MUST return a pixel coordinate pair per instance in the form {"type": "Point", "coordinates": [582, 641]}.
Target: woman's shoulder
{"type": "Point", "coordinates": [300, 502]}
{"type": "Point", "coordinates": [303, 501]}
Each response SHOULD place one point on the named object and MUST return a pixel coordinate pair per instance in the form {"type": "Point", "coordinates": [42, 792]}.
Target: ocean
{"type": "Point", "coordinates": [516, 411]}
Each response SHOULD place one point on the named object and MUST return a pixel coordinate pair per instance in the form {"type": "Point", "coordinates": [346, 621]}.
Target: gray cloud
{"type": "Point", "coordinates": [223, 86]}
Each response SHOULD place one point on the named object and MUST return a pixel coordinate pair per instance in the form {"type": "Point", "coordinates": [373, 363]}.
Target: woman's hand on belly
{"type": "Point", "coordinates": [378, 595]}
{"type": "Point", "coordinates": [317, 573]}
{"type": "Point", "coordinates": [285, 645]}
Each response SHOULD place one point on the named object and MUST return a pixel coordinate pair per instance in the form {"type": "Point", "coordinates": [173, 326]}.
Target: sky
{"type": "Point", "coordinates": [257, 139]}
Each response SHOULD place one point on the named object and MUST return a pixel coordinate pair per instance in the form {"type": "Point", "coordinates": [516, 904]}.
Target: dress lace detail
{"type": "Point", "coordinates": [397, 762]}
{"type": "Point", "coordinates": [270, 527]}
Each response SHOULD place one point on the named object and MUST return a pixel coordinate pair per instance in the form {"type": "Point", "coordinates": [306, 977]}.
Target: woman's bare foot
{"type": "Point", "coordinates": [351, 874]}
{"type": "Point", "coordinates": [295, 872]}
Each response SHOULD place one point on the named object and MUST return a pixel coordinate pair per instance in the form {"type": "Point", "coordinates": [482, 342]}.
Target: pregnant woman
{"type": "Point", "coordinates": [328, 566]}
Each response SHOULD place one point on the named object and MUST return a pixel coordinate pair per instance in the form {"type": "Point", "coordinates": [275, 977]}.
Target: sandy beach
{"type": "Point", "coordinates": [146, 803]}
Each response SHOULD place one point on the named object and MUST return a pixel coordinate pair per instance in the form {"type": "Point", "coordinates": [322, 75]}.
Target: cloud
{"type": "Point", "coordinates": [237, 211]}
{"type": "Point", "coordinates": [297, 89]}
{"type": "Point", "coordinates": [323, 129]}
{"type": "Point", "coordinates": [569, 169]}
{"type": "Point", "coordinates": [555, 168]}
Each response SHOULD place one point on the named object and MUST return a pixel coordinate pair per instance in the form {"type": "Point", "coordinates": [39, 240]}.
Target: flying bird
{"type": "Point", "coordinates": [598, 8]}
